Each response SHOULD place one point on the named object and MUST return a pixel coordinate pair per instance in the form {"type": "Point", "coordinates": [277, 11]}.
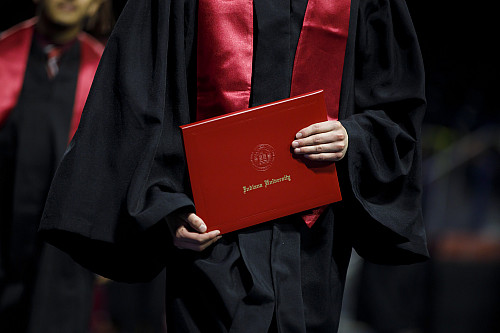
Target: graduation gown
{"type": "Point", "coordinates": [124, 172]}
{"type": "Point", "coordinates": [41, 288]}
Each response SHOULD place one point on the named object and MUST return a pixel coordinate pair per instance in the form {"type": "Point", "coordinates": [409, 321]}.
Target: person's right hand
{"type": "Point", "coordinates": [190, 232]}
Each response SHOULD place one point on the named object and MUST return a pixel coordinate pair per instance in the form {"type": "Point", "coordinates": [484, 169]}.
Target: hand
{"type": "Point", "coordinates": [189, 232]}
{"type": "Point", "coordinates": [326, 141]}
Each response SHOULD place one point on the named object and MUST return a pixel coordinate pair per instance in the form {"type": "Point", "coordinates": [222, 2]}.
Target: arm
{"type": "Point", "coordinates": [382, 110]}
{"type": "Point", "coordinates": [124, 170]}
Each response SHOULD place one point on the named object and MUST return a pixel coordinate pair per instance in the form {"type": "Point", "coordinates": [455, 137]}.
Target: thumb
{"type": "Point", "coordinates": [196, 223]}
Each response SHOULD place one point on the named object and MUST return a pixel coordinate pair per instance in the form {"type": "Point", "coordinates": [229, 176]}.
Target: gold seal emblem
{"type": "Point", "coordinates": [262, 157]}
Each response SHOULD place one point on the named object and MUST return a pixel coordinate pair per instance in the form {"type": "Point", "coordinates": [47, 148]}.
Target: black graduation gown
{"type": "Point", "coordinates": [41, 288]}
{"type": "Point", "coordinates": [125, 171]}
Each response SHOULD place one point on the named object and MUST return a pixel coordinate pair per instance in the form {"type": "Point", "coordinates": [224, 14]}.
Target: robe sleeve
{"type": "Point", "coordinates": [124, 171]}
{"type": "Point", "coordinates": [382, 185]}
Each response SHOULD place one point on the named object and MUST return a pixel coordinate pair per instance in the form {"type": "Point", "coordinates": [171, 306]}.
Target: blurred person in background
{"type": "Point", "coordinates": [47, 65]}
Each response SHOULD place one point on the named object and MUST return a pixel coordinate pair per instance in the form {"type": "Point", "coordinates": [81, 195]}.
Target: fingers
{"type": "Point", "coordinates": [192, 234]}
{"type": "Point", "coordinates": [325, 141]}
{"type": "Point", "coordinates": [185, 239]}
{"type": "Point", "coordinates": [320, 143]}
{"type": "Point", "coordinates": [317, 128]}
{"type": "Point", "coordinates": [196, 222]}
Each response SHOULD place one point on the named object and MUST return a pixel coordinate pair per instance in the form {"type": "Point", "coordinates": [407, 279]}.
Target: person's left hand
{"type": "Point", "coordinates": [326, 141]}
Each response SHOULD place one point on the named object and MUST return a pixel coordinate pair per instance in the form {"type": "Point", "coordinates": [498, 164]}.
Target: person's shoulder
{"type": "Point", "coordinates": [16, 32]}
{"type": "Point", "coordinates": [16, 39]}
{"type": "Point", "coordinates": [91, 44]}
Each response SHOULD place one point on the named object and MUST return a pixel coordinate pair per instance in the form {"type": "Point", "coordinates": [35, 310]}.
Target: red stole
{"type": "Point", "coordinates": [225, 50]}
{"type": "Point", "coordinates": [90, 54]}
{"type": "Point", "coordinates": [224, 59]}
{"type": "Point", "coordinates": [15, 45]}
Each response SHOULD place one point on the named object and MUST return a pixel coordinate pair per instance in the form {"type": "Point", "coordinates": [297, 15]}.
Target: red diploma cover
{"type": "Point", "coordinates": [242, 168]}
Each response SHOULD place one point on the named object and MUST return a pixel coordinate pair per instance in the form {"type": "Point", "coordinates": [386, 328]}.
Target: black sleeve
{"type": "Point", "coordinates": [383, 111]}
{"type": "Point", "coordinates": [125, 171]}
